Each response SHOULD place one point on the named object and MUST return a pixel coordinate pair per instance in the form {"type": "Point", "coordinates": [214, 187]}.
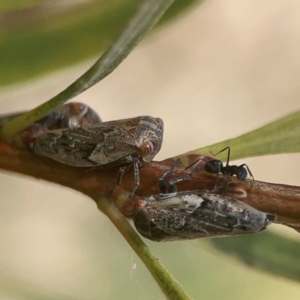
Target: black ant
{"type": "Point", "coordinates": [171, 186]}
{"type": "Point", "coordinates": [216, 166]}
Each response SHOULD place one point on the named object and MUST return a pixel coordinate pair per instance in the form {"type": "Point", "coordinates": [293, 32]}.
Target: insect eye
{"type": "Point", "coordinates": [139, 205]}
{"type": "Point", "coordinates": [147, 148]}
{"type": "Point", "coordinates": [79, 107]}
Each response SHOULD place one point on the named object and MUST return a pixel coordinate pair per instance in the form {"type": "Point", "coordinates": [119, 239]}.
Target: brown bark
{"type": "Point", "coordinates": [279, 199]}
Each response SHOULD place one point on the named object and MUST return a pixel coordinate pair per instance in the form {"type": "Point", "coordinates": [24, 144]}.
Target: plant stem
{"type": "Point", "coordinates": [171, 288]}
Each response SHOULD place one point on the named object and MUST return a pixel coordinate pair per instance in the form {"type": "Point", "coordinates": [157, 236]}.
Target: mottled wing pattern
{"type": "Point", "coordinates": [97, 145]}
{"type": "Point", "coordinates": [196, 214]}
{"type": "Point", "coordinates": [184, 218]}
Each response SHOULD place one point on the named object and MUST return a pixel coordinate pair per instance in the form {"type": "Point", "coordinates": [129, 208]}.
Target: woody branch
{"type": "Point", "coordinates": [279, 199]}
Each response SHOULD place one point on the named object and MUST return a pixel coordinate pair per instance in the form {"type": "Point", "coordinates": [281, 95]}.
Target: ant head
{"type": "Point", "coordinates": [241, 173]}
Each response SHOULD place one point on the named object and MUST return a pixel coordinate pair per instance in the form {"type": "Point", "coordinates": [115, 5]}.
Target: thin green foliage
{"type": "Point", "coordinates": [266, 251]}
{"type": "Point", "coordinates": [53, 41]}
{"type": "Point", "coordinates": [280, 136]}
{"type": "Point", "coordinates": [147, 15]}
{"type": "Point", "coordinates": [171, 288]}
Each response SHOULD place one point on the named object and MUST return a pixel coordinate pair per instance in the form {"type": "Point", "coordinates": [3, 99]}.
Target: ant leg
{"type": "Point", "coordinates": [171, 186]}
{"type": "Point", "coordinates": [228, 154]}
{"type": "Point", "coordinates": [227, 181]}
{"type": "Point", "coordinates": [227, 162]}
{"type": "Point", "coordinates": [194, 163]}
{"type": "Point", "coordinates": [212, 166]}
{"type": "Point", "coordinates": [216, 170]}
{"type": "Point", "coordinates": [161, 182]}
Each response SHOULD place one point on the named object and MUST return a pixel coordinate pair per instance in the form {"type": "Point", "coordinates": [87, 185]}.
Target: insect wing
{"type": "Point", "coordinates": [97, 145]}
{"type": "Point", "coordinates": [194, 214]}
{"type": "Point", "coordinates": [105, 144]}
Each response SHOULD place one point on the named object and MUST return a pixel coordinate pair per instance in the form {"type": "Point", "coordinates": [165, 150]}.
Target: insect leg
{"type": "Point", "coordinates": [136, 172]}
{"type": "Point", "coordinates": [171, 186]}
{"type": "Point", "coordinates": [216, 168]}
{"type": "Point", "coordinates": [211, 166]}
{"type": "Point", "coordinates": [161, 182]}
{"type": "Point", "coordinates": [121, 172]}
{"type": "Point", "coordinates": [225, 169]}
{"type": "Point", "coordinates": [228, 154]}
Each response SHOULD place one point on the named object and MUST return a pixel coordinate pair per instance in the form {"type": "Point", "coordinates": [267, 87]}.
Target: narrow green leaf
{"type": "Point", "coordinates": [44, 44]}
{"type": "Point", "coordinates": [281, 136]}
{"type": "Point", "coordinates": [147, 15]}
{"type": "Point", "coordinates": [9, 5]}
{"type": "Point", "coordinates": [266, 251]}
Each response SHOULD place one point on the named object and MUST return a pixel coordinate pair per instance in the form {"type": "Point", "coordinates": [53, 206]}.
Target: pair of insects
{"type": "Point", "coordinates": [78, 138]}
{"type": "Point", "coordinates": [74, 135]}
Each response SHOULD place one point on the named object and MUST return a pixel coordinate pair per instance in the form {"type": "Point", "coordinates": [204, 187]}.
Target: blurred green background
{"type": "Point", "coordinates": [217, 71]}
{"type": "Point", "coordinates": [38, 37]}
